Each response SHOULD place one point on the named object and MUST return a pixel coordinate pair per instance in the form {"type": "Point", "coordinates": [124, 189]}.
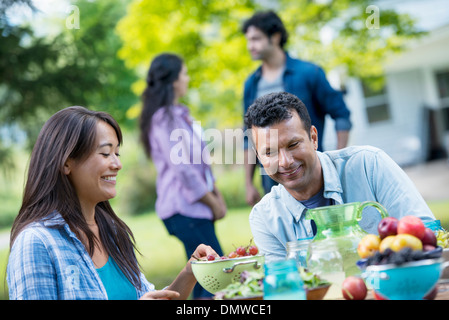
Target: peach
{"type": "Point", "coordinates": [386, 243]}
{"type": "Point", "coordinates": [368, 246]}
{"type": "Point", "coordinates": [404, 240]}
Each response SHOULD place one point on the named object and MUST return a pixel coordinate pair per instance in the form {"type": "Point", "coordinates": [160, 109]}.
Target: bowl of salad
{"type": "Point", "coordinates": [250, 286]}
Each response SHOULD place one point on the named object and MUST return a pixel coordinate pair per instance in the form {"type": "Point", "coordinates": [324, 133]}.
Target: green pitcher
{"type": "Point", "coordinates": [338, 225]}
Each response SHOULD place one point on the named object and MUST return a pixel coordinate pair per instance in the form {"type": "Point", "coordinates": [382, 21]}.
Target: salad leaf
{"type": "Point", "coordinates": [251, 284]}
{"type": "Point", "coordinates": [311, 280]}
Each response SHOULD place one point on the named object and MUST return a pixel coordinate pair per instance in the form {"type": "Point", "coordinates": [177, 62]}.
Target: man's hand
{"type": "Point", "coordinates": [252, 194]}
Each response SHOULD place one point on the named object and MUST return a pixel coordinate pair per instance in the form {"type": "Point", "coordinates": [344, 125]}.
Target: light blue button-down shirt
{"type": "Point", "coordinates": [48, 262]}
{"type": "Point", "coordinates": [353, 174]}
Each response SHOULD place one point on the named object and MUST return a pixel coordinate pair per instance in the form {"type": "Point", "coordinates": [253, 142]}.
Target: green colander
{"type": "Point", "coordinates": [218, 274]}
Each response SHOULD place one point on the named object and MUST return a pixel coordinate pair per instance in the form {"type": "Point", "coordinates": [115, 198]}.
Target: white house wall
{"type": "Point", "coordinates": [411, 87]}
{"type": "Point", "coordinates": [406, 92]}
{"type": "Point", "coordinates": [401, 136]}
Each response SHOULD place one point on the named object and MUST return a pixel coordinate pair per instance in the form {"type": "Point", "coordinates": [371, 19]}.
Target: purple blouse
{"type": "Point", "coordinates": [183, 173]}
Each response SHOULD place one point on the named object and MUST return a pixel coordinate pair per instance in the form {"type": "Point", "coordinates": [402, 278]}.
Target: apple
{"type": "Point", "coordinates": [386, 243]}
{"type": "Point", "coordinates": [368, 246]}
{"type": "Point", "coordinates": [405, 240]}
{"type": "Point", "coordinates": [387, 227]}
{"type": "Point", "coordinates": [432, 293]}
{"type": "Point", "coordinates": [411, 225]}
{"type": "Point", "coordinates": [353, 288]}
{"type": "Point", "coordinates": [429, 238]}
{"type": "Point", "coordinates": [378, 296]}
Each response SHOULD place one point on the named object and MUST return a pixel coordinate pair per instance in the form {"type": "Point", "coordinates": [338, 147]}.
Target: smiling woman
{"type": "Point", "coordinates": [94, 178]}
{"type": "Point", "coordinates": [67, 242]}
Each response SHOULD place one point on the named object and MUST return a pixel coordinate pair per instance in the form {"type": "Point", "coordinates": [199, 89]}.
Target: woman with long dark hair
{"type": "Point", "coordinates": [67, 242]}
{"type": "Point", "coordinates": [188, 201]}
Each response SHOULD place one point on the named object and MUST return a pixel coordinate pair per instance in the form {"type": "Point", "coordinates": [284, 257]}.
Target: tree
{"type": "Point", "coordinates": [364, 35]}
{"type": "Point", "coordinates": [40, 75]}
{"type": "Point", "coordinates": [207, 35]}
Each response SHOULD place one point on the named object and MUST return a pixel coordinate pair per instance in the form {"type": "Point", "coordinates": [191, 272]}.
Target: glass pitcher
{"type": "Point", "coordinates": [325, 261]}
{"type": "Point", "coordinates": [297, 250]}
{"type": "Point", "coordinates": [338, 224]}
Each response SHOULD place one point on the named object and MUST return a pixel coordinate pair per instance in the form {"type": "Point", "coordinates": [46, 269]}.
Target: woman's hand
{"type": "Point", "coordinates": [160, 295]}
{"type": "Point", "coordinates": [202, 251]}
{"type": "Point", "coordinates": [185, 281]}
{"type": "Point", "coordinates": [216, 203]}
{"type": "Point", "coordinates": [220, 208]}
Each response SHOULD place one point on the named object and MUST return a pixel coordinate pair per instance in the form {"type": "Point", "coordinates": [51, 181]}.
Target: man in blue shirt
{"type": "Point", "coordinates": [266, 37]}
{"type": "Point", "coordinates": [286, 145]}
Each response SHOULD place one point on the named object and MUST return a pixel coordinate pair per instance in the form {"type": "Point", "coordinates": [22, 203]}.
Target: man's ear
{"type": "Point", "coordinates": [276, 38]}
{"type": "Point", "coordinates": [314, 136]}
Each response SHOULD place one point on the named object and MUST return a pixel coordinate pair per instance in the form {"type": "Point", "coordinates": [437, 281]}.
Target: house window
{"type": "Point", "coordinates": [443, 90]}
{"type": "Point", "coordinates": [443, 84]}
{"type": "Point", "coordinates": [376, 100]}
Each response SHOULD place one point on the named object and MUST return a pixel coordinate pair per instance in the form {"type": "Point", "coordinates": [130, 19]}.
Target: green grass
{"type": "Point", "coordinates": [441, 211]}
{"type": "Point", "coordinates": [163, 256]}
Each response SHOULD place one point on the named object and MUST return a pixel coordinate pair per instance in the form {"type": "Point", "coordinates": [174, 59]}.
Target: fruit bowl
{"type": "Point", "coordinates": [216, 275]}
{"type": "Point", "coordinates": [408, 281]}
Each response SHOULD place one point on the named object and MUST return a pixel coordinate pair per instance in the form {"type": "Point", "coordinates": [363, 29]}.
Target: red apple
{"type": "Point", "coordinates": [432, 294]}
{"type": "Point", "coordinates": [411, 225]}
{"type": "Point", "coordinates": [387, 227]}
{"type": "Point", "coordinates": [378, 296]}
{"type": "Point", "coordinates": [429, 238]}
{"type": "Point", "coordinates": [353, 288]}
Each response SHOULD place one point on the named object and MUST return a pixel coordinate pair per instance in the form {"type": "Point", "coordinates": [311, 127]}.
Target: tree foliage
{"type": "Point", "coordinates": [207, 34]}
{"type": "Point", "coordinates": [40, 75]}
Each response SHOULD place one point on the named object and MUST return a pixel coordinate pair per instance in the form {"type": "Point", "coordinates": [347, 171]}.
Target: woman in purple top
{"type": "Point", "coordinates": [188, 201]}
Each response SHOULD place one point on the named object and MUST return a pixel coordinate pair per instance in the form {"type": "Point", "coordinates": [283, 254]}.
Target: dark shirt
{"type": "Point", "coordinates": [308, 82]}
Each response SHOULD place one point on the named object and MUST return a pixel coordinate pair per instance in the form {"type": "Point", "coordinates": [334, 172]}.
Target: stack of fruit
{"type": "Point", "coordinates": [399, 241]}
{"type": "Point", "coordinates": [396, 235]}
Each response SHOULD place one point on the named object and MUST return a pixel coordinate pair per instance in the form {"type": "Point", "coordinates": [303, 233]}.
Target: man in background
{"type": "Point", "coordinates": [266, 37]}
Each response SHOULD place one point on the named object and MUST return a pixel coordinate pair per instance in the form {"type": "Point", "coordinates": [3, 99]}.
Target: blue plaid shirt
{"type": "Point", "coordinates": [47, 261]}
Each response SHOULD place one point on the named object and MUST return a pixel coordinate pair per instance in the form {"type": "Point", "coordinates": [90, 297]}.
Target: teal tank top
{"type": "Point", "coordinates": [117, 286]}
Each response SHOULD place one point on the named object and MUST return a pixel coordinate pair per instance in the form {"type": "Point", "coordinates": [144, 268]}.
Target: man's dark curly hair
{"type": "Point", "coordinates": [269, 23]}
{"type": "Point", "coordinates": [274, 108]}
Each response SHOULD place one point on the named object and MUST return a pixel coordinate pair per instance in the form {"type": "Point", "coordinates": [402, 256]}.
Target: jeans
{"type": "Point", "coordinates": [193, 232]}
